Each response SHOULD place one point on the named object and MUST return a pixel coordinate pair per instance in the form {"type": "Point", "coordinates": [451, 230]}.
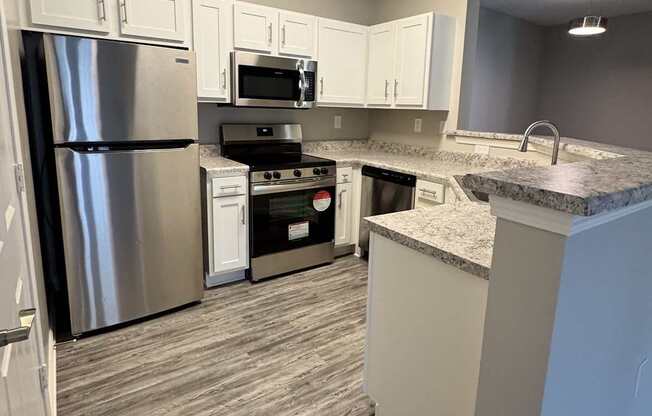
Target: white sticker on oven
{"type": "Point", "coordinates": [298, 230]}
{"type": "Point", "coordinates": [321, 201]}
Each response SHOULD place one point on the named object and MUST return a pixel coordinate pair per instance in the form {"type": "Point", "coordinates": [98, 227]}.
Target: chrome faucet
{"type": "Point", "coordinates": [534, 126]}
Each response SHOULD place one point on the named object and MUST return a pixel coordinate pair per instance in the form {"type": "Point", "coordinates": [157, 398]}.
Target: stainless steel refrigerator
{"type": "Point", "coordinates": [113, 139]}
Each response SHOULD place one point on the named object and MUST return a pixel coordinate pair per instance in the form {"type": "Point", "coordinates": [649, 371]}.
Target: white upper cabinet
{"type": "Point", "coordinates": [297, 34]}
{"type": "Point", "coordinates": [416, 56]}
{"type": "Point", "coordinates": [213, 42]}
{"type": "Point", "coordinates": [411, 56]}
{"type": "Point", "coordinates": [156, 19]}
{"type": "Point", "coordinates": [342, 71]}
{"type": "Point", "coordinates": [256, 28]}
{"type": "Point", "coordinates": [91, 15]}
{"type": "Point", "coordinates": [380, 81]}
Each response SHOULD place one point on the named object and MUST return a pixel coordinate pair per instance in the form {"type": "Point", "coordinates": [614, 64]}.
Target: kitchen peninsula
{"type": "Point", "coordinates": [569, 240]}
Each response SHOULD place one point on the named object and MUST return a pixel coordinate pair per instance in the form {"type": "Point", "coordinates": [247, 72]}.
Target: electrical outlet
{"type": "Point", "coordinates": [338, 122]}
{"type": "Point", "coordinates": [418, 124]}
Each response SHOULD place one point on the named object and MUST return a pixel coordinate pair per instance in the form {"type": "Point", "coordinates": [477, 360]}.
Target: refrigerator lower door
{"type": "Point", "coordinates": [131, 225]}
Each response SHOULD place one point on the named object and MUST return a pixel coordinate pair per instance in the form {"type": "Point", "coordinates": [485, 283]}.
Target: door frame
{"type": "Point", "coordinates": [45, 347]}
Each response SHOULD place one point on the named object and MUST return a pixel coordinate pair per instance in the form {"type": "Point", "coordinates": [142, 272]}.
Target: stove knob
{"type": "Point", "coordinates": [316, 171]}
{"type": "Point", "coordinates": [324, 171]}
{"type": "Point", "coordinates": [297, 173]}
{"type": "Point", "coordinates": [267, 175]}
{"type": "Point", "coordinates": [277, 175]}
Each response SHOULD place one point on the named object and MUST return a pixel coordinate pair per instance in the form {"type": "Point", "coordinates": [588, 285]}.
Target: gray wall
{"type": "Point", "coordinates": [506, 76]}
{"type": "Point", "coordinates": [356, 11]}
{"type": "Point", "coordinates": [601, 88]}
{"type": "Point", "coordinates": [317, 123]}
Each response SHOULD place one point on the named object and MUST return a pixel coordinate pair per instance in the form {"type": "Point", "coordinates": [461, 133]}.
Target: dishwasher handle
{"type": "Point", "coordinates": [390, 176]}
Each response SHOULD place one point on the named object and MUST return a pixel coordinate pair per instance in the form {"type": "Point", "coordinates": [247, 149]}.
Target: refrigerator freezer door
{"type": "Point", "coordinates": [107, 91]}
{"type": "Point", "coordinates": [132, 232]}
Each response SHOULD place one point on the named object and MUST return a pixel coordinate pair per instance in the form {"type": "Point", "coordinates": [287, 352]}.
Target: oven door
{"type": "Point", "coordinates": [291, 216]}
{"type": "Point", "coordinates": [269, 81]}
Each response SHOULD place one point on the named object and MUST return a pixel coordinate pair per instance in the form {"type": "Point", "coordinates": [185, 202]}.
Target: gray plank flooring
{"type": "Point", "coordinates": [289, 346]}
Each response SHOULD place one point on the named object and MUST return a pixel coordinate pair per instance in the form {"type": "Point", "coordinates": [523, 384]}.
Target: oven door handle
{"type": "Point", "coordinates": [277, 188]}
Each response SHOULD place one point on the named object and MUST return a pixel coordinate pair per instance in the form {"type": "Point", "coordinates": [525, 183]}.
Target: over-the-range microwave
{"type": "Point", "coordinates": [272, 81]}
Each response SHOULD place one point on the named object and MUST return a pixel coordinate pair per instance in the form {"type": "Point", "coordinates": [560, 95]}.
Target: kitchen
{"type": "Point", "coordinates": [307, 118]}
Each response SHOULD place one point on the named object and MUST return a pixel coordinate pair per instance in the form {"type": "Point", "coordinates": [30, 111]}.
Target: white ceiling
{"type": "Point", "coordinates": [554, 12]}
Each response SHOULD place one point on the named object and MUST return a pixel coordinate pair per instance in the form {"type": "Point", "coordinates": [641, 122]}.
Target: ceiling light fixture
{"type": "Point", "coordinates": [588, 26]}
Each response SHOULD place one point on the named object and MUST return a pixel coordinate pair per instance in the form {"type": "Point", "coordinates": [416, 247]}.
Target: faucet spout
{"type": "Point", "coordinates": [542, 123]}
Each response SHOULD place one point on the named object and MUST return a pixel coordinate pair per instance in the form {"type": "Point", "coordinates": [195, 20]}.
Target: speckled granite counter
{"type": "Point", "coordinates": [461, 235]}
{"type": "Point", "coordinates": [423, 162]}
{"type": "Point", "coordinates": [217, 166]}
{"type": "Point", "coordinates": [617, 178]}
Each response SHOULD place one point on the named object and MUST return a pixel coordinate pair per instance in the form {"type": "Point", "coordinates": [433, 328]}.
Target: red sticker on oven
{"type": "Point", "coordinates": [321, 201]}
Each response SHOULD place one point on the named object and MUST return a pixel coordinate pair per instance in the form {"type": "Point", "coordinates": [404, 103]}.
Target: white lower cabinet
{"type": "Point", "coordinates": [343, 214]}
{"type": "Point", "coordinates": [228, 228]}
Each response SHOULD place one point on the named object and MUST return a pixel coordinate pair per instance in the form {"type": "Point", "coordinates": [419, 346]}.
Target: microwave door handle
{"type": "Point", "coordinates": [302, 85]}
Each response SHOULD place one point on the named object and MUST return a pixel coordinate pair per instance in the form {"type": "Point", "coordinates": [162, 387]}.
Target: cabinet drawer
{"type": "Point", "coordinates": [236, 185]}
{"type": "Point", "coordinates": [344, 175]}
{"type": "Point", "coordinates": [429, 192]}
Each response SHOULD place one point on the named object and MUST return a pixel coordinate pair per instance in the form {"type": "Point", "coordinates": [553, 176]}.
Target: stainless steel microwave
{"type": "Point", "coordinates": [272, 81]}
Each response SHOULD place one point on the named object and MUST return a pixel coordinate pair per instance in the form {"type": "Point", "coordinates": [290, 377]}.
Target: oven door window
{"type": "Point", "coordinates": [268, 83]}
{"type": "Point", "coordinates": [290, 220]}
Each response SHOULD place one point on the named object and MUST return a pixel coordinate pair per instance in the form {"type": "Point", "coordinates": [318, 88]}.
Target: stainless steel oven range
{"type": "Point", "coordinates": [292, 198]}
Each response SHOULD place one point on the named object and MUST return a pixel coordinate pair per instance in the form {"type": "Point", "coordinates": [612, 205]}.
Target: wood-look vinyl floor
{"type": "Point", "coordinates": [289, 346]}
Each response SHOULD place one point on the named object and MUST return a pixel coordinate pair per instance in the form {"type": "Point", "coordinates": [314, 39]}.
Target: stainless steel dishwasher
{"type": "Point", "coordinates": [383, 192]}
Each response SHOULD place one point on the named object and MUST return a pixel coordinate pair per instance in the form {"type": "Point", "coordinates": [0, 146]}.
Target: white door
{"type": "Point", "coordinates": [20, 389]}
{"type": "Point", "coordinates": [342, 67]}
{"type": "Point", "coordinates": [72, 14]}
{"type": "Point", "coordinates": [380, 80]}
{"type": "Point", "coordinates": [229, 233]}
{"type": "Point", "coordinates": [156, 19]}
{"type": "Point", "coordinates": [343, 214]}
{"type": "Point", "coordinates": [297, 34]}
{"type": "Point", "coordinates": [255, 27]}
{"type": "Point", "coordinates": [213, 41]}
{"type": "Point", "coordinates": [411, 57]}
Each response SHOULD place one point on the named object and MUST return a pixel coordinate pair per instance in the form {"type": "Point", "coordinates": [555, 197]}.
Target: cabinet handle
{"type": "Point", "coordinates": [427, 191]}
{"type": "Point", "coordinates": [321, 86]}
{"type": "Point", "coordinates": [243, 215]}
{"type": "Point", "coordinates": [101, 10]}
{"type": "Point", "coordinates": [283, 35]}
{"type": "Point", "coordinates": [386, 89]}
{"type": "Point", "coordinates": [269, 40]}
{"type": "Point", "coordinates": [395, 89]}
{"type": "Point", "coordinates": [224, 79]}
{"type": "Point", "coordinates": [339, 202]}
{"type": "Point", "coordinates": [123, 5]}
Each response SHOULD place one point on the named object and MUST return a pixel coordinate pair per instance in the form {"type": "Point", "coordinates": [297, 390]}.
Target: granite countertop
{"type": "Point", "coordinates": [460, 235]}
{"type": "Point", "coordinates": [617, 177]}
{"type": "Point", "coordinates": [217, 166]}
{"type": "Point", "coordinates": [434, 166]}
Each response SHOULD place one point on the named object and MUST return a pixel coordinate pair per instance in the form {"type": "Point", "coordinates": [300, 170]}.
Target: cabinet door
{"type": "Point", "coordinates": [297, 34]}
{"type": "Point", "coordinates": [72, 14]}
{"type": "Point", "coordinates": [212, 30]}
{"type": "Point", "coordinates": [343, 214]}
{"type": "Point", "coordinates": [342, 62]}
{"type": "Point", "coordinates": [380, 80]}
{"type": "Point", "coordinates": [229, 234]}
{"type": "Point", "coordinates": [255, 27]}
{"type": "Point", "coordinates": [157, 19]}
{"type": "Point", "coordinates": [411, 56]}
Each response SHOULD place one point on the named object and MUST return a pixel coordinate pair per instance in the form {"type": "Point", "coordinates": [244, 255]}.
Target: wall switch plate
{"type": "Point", "coordinates": [338, 122]}
{"type": "Point", "coordinates": [418, 124]}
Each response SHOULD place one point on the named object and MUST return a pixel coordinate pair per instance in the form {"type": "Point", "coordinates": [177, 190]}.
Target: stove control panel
{"type": "Point", "coordinates": [288, 174]}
